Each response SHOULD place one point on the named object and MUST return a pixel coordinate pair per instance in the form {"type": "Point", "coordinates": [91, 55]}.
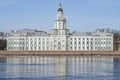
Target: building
{"type": "Point", "coordinates": [59, 39]}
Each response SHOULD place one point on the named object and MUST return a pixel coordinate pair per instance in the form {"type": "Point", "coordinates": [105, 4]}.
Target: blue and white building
{"type": "Point", "coordinates": [59, 39]}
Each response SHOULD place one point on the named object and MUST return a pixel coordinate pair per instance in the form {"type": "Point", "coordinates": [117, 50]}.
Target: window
{"type": "Point", "coordinates": [59, 25]}
{"type": "Point", "coordinates": [35, 48]}
{"type": "Point", "coordinates": [31, 39]}
{"type": "Point", "coordinates": [95, 47]}
{"type": "Point", "coordinates": [75, 43]}
{"type": "Point", "coordinates": [31, 48]}
{"type": "Point", "coordinates": [43, 39]}
{"type": "Point", "coordinates": [83, 47]}
{"type": "Point", "coordinates": [91, 48]}
{"type": "Point", "coordinates": [79, 47]}
{"type": "Point", "coordinates": [91, 43]}
{"type": "Point", "coordinates": [83, 43]}
{"type": "Point", "coordinates": [43, 48]}
{"type": "Point", "coordinates": [39, 43]}
{"type": "Point", "coordinates": [87, 43]}
{"type": "Point", "coordinates": [31, 43]}
{"type": "Point", "coordinates": [87, 48]}
{"type": "Point", "coordinates": [75, 47]}
{"type": "Point", "coordinates": [96, 43]}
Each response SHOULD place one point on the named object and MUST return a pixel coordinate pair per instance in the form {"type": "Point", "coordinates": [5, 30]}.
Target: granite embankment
{"type": "Point", "coordinates": [61, 53]}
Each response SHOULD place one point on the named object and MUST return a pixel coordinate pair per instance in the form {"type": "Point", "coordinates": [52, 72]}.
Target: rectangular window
{"type": "Point", "coordinates": [75, 47]}
{"type": "Point", "coordinates": [95, 47]}
{"type": "Point", "coordinates": [87, 43]}
{"type": "Point", "coordinates": [91, 43]}
{"type": "Point", "coordinates": [87, 48]}
{"type": "Point", "coordinates": [75, 43]}
{"type": "Point", "coordinates": [39, 43]}
{"type": "Point", "coordinates": [83, 38]}
{"type": "Point", "coordinates": [35, 48]}
{"type": "Point", "coordinates": [43, 48]}
{"type": "Point", "coordinates": [91, 48]}
{"type": "Point", "coordinates": [59, 25]}
{"type": "Point", "coordinates": [35, 39]}
{"type": "Point", "coordinates": [31, 48]}
{"type": "Point", "coordinates": [83, 47]}
{"type": "Point", "coordinates": [96, 43]}
{"type": "Point", "coordinates": [83, 43]}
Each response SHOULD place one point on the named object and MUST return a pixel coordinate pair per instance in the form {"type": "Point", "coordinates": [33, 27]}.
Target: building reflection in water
{"type": "Point", "coordinates": [58, 66]}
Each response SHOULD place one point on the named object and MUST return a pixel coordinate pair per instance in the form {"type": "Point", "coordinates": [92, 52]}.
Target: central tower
{"type": "Point", "coordinates": [60, 23]}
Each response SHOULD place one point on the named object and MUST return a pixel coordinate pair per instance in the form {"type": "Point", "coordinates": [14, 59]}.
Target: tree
{"type": "Point", "coordinates": [3, 44]}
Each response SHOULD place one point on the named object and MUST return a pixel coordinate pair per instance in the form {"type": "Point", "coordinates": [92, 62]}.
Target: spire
{"type": "Point", "coordinates": [60, 4]}
{"type": "Point", "coordinates": [60, 7]}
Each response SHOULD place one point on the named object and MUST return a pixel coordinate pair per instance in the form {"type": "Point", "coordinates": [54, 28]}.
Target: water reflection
{"type": "Point", "coordinates": [60, 67]}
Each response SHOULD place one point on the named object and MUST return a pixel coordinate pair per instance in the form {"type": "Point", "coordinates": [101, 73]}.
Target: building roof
{"type": "Point", "coordinates": [81, 34]}
{"type": "Point", "coordinates": [96, 33]}
{"type": "Point", "coordinates": [28, 32]}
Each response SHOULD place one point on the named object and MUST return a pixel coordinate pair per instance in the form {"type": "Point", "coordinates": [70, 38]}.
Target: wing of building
{"type": "Point", "coordinates": [60, 39]}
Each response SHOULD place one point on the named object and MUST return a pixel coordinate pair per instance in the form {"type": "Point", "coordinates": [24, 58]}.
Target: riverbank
{"type": "Point", "coordinates": [61, 53]}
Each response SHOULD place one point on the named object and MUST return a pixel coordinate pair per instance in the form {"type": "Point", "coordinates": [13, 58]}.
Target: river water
{"type": "Point", "coordinates": [59, 68]}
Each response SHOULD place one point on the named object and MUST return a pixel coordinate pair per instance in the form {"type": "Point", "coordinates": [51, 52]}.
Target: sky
{"type": "Point", "coordinates": [81, 15]}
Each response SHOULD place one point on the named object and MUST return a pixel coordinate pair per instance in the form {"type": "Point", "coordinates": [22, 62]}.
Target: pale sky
{"type": "Point", "coordinates": [81, 15]}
